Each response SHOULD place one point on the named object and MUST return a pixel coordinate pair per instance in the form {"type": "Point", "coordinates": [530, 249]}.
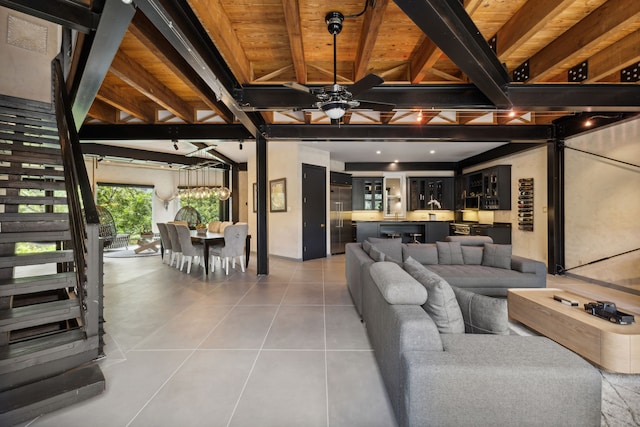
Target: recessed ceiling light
{"type": "Point", "coordinates": [396, 161]}
{"type": "Point", "coordinates": [378, 152]}
{"type": "Point", "coordinates": [432, 152]}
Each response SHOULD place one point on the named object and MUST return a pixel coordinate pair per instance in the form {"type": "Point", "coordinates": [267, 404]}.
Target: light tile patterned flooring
{"type": "Point", "coordinates": [283, 350]}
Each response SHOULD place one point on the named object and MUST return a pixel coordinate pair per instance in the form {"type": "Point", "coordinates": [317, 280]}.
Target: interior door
{"type": "Point", "coordinates": [314, 212]}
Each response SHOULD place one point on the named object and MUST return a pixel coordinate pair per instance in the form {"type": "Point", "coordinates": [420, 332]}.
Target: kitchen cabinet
{"type": "Point", "coordinates": [492, 186]}
{"type": "Point", "coordinates": [431, 231]}
{"type": "Point", "coordinates": [366, 193]}
{"type": "Point", "coordinates": [424, 189]}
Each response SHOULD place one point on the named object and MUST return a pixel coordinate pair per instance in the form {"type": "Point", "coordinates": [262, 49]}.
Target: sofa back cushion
{"type": "Point", "coordinates": [472, 255]}
{"type": "Point", "coordinates": [391, 248]}
{"type": "Point", "coordinates": [497, 256]}
{"type": "Point", "coordinates": [449, 253]}
{"type": "Point", "coordinates": [482, 314]}
{"type": "Point", "coordinates": [423, 253]}
{"type": "Point", "coordinates": [441, 304]}
{"type": "Point", "coordinates": [469, 240]}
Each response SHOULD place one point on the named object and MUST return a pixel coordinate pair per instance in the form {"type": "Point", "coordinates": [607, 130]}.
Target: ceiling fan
{"type": "Point", "coordinates": [336, 99]}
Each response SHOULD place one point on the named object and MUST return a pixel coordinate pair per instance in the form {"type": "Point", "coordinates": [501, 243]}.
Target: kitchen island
{"type": "Point", "coordinates": [423, 231]}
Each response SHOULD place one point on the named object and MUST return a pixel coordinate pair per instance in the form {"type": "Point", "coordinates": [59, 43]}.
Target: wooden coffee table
{"type": "Point", "coordinates": [613, 347]}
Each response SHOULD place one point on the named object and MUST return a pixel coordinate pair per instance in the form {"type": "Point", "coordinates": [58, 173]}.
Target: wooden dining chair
{"type": "Point", "coordinates": [214, 226]}
{"type": "Point", "coordinates": [235, 237]}
{"type": "Point", "coordinates": [190, 251]}
{"type": "Point", "coordinates": [166, 241]}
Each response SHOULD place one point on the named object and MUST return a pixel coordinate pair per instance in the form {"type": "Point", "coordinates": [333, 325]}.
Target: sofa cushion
{"type": "Point", "coordinates": [449, 253]}
{"type": "Point", "coordinates": [469, 240]}
{"type": "Point", "coordinates": [392, 248]}
{"type": "Point", "coordinates": [423, 253]}
{"type": "Point", "coordinates": [472, 255]}
{"type": "Point", "coordinates": [497, 256]}
{"type": "Point", "coordinates": [482, 314]}
{"type": "Point", "coordinates": [441, 303]}
{"type": "Point", "coordinates": [396, 286]}
{"type": "Point", "coordinates": [366, 246]}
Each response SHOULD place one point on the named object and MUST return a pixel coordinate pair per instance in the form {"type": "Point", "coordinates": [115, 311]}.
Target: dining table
{"type": "Point", "coordinates": [207, 239]}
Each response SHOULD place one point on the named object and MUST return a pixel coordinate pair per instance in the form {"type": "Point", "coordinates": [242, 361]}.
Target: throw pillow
{"type": "Point", "coordinates": [390, 247]}
{"type": "Point", "coordinates": [482, 314]}
{"type": "Point", "coordinates": [423, 253]}
{"type": "Point", "coordinates": [449, 253]}
{"type": "Point", "coordinates": [472, 255]}
{"type": "Point", "coordinates": [441, 303]}
{"type": "Point", "coordinates": [497, 256]}
{"type": "Point", "coordinates": [376, 255]}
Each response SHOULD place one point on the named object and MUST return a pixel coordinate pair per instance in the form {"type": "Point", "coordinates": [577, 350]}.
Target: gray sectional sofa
{"type": "Point", "coordinates": [438, 375]}
{"type": "Point", "coordinates": [470, 262]}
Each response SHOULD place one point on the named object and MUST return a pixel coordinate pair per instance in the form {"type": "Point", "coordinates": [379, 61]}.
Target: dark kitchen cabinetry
{"type": "Point", "coordinates": [424, 189]}
{"type": "Point", "coordinates": [492, 186]}
{"type": "Point", "coordinates": [366, 193]}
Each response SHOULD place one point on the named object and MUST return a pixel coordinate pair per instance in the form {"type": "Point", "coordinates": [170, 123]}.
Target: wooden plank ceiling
{"type": "Point", "coordinates": [278, 41]}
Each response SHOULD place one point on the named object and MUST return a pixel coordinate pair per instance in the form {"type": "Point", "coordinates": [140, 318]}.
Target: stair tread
{"type": "Point", "coordinates": [34, 200]}
{"type": "Point", "coordinates": [37, 258]}
{"type": "Point", "coordinates": [36, 236]}
{"type": "Point", "coordinates": [25, 349]}
{"type": "Point", "coordinates": [39, 314]}
{"type": "Point", "coordinates": [34, 216]}
{"type": "Point", "coordinates": [31, 284]}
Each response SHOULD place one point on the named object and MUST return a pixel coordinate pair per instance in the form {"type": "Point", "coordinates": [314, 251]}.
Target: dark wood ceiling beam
{"type": "Point", "coordinates": [292, 22]}
{"type": "Point", "coordinates": [601, 24]}
{"type": "Point", "coordinates": [375, 132]}
{"type": "Point", "coordinates": [368, 35]}
{"type": "Point", "coordinates": [114, 21]}
{"type": "Point", "coordinates": [143, 30]}
{"type": "Point", "coordinates": [528, 20]}
{"type": "Point", "coordinates": [614, 58]}
{"type": "Point", "coordinates": [206, 132]}
{"type": "Point", "coordinates": [133, 74]}
{"type": "Point", "coordinates": [451, 28]}
{"type": "Point", "coordinates": [122, 100]}
{"type": "Point", "coordinates": [558, 97]}
{"type": "Point", "coordinates": [66, 13]}
{"type": "Point", "coordinates": [102, 111]}
{"type": "Point", "coordinates": [218, 25]}
{"type": "Point", "coordinates": [426, 54]}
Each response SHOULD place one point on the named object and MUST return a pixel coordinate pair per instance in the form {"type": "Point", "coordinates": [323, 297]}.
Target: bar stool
{"type": "Point", "coordinates": [392, 235]}
{"type": "Point", "coordinates": [415, 236]}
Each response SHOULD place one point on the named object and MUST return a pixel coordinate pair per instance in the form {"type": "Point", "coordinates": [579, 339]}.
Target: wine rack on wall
{"type": "Point", "coordinates": [525, 204]}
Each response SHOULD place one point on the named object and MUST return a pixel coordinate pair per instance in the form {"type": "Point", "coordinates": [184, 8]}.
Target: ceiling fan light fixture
{"type": "Point", "coordinates": [334, 109]}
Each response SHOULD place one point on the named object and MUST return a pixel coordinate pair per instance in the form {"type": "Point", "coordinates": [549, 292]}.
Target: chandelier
{"type": "Point", "coordinates": [201, 187]}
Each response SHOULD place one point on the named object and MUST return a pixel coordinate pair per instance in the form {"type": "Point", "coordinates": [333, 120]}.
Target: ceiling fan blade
{"type": "Point", "coordinates": [376, 106]}
{"type": "Point", "coordinates": [365, 83]}
{"type": "Point", "coordinates": [297, 86]}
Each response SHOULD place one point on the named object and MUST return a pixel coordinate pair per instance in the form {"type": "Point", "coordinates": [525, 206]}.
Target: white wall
{"type": "Point", "coordinates": [602, 197]}
{"type": "Point", "coordinates": [284, 160]}
{"type": "Point", "coordinates": [528, 164]}
{"type": "Point", "coordinates": [27, 46]}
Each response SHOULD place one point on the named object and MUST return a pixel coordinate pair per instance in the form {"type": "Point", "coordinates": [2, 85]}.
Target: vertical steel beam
{"type": "Point", "coordinates": [555, 206]}
{"type": "Point", "coordinates": [262, 225]}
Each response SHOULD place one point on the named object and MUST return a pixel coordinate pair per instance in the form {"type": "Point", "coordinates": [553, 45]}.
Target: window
{"type": "Point", "coordinates": [129, 205]}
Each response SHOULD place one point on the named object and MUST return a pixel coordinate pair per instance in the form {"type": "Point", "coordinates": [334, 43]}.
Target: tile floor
{"type": "Point", "coordinates": [283, 350]}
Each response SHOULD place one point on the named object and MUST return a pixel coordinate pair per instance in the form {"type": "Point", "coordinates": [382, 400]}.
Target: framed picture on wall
{"type": "Point", "coordinates": [278, 193]}
{"type": "Point", "coordinates": [255, 197]}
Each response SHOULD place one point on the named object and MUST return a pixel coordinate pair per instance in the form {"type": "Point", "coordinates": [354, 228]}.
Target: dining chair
{"type": "Point", "coordinates": [223, 225]}
{"type": "Point", "coordinates": [166, 241]}
{"type": "Point", "coordinates": [214, 227]}
{"type": "Point", "coordinates": [235, 237]}
{"type": "Point", "coordinates": [176, 249]}
{"type": "Point", "coordinates": [190, 252]}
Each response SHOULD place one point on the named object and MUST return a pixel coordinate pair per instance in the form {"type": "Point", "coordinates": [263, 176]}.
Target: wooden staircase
{"type": "Point", "coordinates": [50, 284]}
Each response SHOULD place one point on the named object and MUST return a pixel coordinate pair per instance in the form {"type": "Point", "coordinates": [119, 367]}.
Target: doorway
{"type": "Point", "coordinates": [314, 212]}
